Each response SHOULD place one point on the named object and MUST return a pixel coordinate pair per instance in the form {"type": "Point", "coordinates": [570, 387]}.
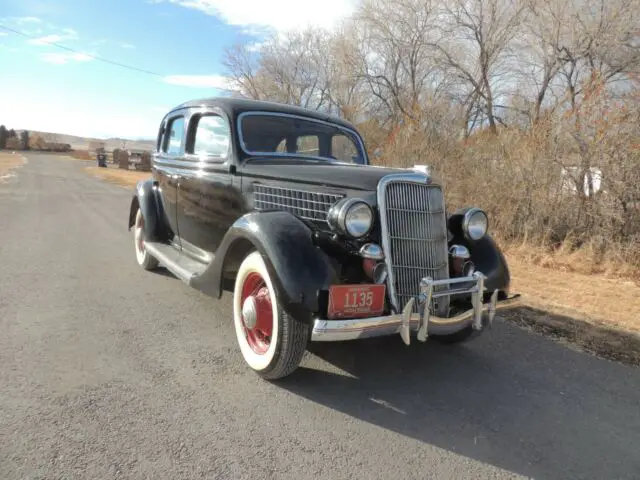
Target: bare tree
{"type": "Point", "coordinates": [476, 41]}
{"type": "Point", "coordinates": [291, 68]}
{"type": "Point", "coordinates": [396, 58]}
{"type": "Point", "coordinates": [242, 63]}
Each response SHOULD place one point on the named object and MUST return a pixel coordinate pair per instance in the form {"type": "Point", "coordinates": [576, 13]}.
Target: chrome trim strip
{"type": "Point", "coordinates": [191, 165]}
{"type": "Point", "coordinates": [350, 131]}
{"type": "Point", "coordinates": [341, 330]}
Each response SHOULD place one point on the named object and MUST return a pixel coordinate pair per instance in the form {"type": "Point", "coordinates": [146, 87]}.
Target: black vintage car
{"type": "Point", "coordinates": [280, 206]}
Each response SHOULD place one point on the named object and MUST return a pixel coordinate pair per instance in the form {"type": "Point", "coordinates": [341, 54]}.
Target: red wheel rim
{"type": "Point", "coordinates": [257, 313]}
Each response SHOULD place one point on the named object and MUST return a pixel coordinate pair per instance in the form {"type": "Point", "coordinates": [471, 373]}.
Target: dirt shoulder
{"type": "Point", "coordinates": [9, 161]}
{"type": "Point", "coordinates": [594, 313]}
{"type": "Point", "coordinates": [125, 178]}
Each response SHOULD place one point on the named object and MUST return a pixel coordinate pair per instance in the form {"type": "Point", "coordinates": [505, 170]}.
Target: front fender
{"type": "Point", "coordinates": [297, 267]}
{"type": "Point", "coordinates": [145, 197]}
{"type": "Point", "coordinates": [488, 259]}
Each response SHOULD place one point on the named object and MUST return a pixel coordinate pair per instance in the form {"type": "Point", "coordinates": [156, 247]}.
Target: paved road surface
{"type": "Point", "coordinates": [107, 371]}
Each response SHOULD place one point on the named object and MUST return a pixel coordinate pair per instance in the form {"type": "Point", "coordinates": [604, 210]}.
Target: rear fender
{"type": "Point", "coordinates": [299, 269]}
{"type": "Point", "coordinates": [146, 197]}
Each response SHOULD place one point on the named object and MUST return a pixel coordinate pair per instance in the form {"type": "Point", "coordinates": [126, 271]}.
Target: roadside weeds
{"type": "Point", "coordinates": [9, 162]}
{"type": "Point", "coordinates": [596, 314]}
{"type": "Point", "coordinates": [123, 178]}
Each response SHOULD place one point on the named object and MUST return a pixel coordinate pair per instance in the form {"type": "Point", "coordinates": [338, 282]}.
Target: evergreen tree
{"type": "Point", "coordinates": [3, 137]}
{"type": "Point", "coordinates": [24, 139]}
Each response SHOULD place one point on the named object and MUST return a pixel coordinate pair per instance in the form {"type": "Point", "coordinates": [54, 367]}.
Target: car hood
{"type": "Point", "coordinates": [347, 176]}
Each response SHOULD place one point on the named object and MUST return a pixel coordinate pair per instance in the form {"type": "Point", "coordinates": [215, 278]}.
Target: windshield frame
{"type": "Point", "coordinates": [350, 132]}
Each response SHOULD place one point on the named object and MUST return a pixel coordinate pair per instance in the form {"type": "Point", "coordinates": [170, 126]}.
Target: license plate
{"type": "Point", "coordinates": [355, 301]}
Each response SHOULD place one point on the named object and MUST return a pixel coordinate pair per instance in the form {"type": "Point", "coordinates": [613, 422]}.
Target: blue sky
{"type": "Point", "coordinates": [43, 87]}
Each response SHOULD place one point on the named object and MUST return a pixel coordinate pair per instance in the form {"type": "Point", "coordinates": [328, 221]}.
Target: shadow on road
{"type": "Point", "coordinates": [511, 399]}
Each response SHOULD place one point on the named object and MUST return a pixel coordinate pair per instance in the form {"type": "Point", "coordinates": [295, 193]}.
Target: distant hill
{"type": "Point", "coordinates": [86, 143]}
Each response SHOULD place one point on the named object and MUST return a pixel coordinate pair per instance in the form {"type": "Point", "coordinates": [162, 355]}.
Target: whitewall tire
{"type": "Point", "coordinates": [271, 342]}
{"type": "Point", "coordinates": [144, 258]}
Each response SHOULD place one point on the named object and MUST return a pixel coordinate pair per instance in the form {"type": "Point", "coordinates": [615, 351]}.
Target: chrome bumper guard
{"type": "Point", "coordinates": [480, 316]}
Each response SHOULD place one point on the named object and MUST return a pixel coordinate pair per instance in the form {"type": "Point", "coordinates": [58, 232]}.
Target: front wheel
{"type": "Point", "coordinates": [271, 342]}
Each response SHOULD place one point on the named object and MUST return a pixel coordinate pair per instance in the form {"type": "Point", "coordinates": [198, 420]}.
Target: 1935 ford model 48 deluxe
{"type": "Point", "coordinates": [279, 205]}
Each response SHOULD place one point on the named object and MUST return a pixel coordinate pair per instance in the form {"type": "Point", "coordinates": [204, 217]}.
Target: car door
{"type": "Point", "coordinates": [209, 199]}
{"type": "Point", "coordinates": [166, 169]}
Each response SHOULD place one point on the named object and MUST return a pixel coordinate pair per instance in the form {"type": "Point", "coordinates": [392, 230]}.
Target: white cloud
{"type": "Point", "coordinates": [201, 81]}
{"type": "Point", "coordinates": [54, 38]}
{"type": "Point", "coordinates": [127, 46]}
{"type": "Point", "coordinates": [64, 58]}
{"type": "Point", "coordinates": [277, 14]}
{"type": "Point", "coordinates": [23, 20]}
{"type": "Point", "coordinates": [3, 34]}
{"type": "Point", "coordinates": [255, 47]}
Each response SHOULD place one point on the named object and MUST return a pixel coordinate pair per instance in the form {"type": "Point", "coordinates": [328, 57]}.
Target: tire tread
{"type": "Point", "coordinates": [295, 336]}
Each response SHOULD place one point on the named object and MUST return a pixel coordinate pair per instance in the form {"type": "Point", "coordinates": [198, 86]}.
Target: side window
{"type": "Point", "coordinates": [212, 136]}
{"type": "Point", "coordinates": [343, 148]}
{"type": "Point", "coordinates": [174, 136]}
{"type": "Point", "coordinates": [282, 146]}
{"type": "Point", "coordinates": [308, 145]}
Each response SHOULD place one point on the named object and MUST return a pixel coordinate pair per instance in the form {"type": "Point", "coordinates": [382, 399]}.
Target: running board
{"type": "Point", "coordinates": [178, 263]}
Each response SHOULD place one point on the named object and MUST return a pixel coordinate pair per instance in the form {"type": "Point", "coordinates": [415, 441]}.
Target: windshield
{"type": "Point", "coordinates": [288, 135]}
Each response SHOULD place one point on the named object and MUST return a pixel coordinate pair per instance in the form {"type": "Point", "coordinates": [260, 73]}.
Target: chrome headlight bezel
{"type": "Point", "coordinates": [340, 221]}
{"type": "Point", "coordinates": [474, 232]}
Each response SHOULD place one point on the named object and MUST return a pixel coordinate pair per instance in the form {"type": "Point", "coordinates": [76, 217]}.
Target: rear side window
{"type": "Point", "coordinates": [211, 137]}
{"type": "Point", "coordinates": [174, 136]}
{"type": "Point", "coordinates": [308, 145]}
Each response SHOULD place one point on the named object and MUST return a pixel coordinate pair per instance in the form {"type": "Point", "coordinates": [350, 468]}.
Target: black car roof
{"type": "Point", "coordinates": [235, 106]}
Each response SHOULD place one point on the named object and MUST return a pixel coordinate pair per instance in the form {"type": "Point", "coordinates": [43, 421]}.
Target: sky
{"type": "Point", "coordinates": [179, 42]}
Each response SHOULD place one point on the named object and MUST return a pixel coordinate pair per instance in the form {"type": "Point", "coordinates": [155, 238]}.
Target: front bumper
{"type": "Point", "coordinates": [422, 323]}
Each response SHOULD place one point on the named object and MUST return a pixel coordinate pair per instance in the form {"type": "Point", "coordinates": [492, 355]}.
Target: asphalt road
{"type": "Point", "coordinates": [107, 371]}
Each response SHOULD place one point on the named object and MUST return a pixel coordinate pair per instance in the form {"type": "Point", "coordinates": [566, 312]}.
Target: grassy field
{"type": "Point", "coordinates": [8, 162]}
{"type": "Point", "coordinates": [125, 178]}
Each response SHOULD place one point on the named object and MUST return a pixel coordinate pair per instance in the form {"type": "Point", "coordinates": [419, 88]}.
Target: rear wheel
{"type": "Point", "coordinates": [144, 258]}
{"type": "Point", "coordinates": [271, 342]}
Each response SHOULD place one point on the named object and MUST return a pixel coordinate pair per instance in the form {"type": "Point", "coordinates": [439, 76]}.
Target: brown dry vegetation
{"type": "Point", "coordinates": [9, 162]}
{"type": "Point", "coordinates": [125, 178]}
{"type": "Point", "coordinates": [81, 155]}
{"type": "Point", "coordinates": [521, 107]}
{"type": "Point", "coordinates": [527, 108]}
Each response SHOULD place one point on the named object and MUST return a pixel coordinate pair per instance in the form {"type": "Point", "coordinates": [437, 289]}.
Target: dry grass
{"type": "Point", "coordinates": [81, 155]}
{"type": "Point", "coordinates": [125, 178]}
{"type": "Point", "coordinates": [591, 297]}
{"type": "Point", "coordinates": [591, 312]}
{"type": "Point", "coordinates": [8, 162]}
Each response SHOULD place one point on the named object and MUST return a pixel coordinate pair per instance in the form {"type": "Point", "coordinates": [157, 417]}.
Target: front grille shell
{"type": "Point", "coordinates": [414, 237]}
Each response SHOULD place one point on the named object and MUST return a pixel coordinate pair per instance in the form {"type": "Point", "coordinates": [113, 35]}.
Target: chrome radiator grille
{"type": "Point", "coordinates": [414, 234]}
{"type": "Point", "coordinates": [305, 204]}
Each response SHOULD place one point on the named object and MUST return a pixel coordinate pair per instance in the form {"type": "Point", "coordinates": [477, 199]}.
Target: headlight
{"type": "Point", "coordinates": [475, 224]}
{"type": "Point", "coordinates": [351, 216]}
